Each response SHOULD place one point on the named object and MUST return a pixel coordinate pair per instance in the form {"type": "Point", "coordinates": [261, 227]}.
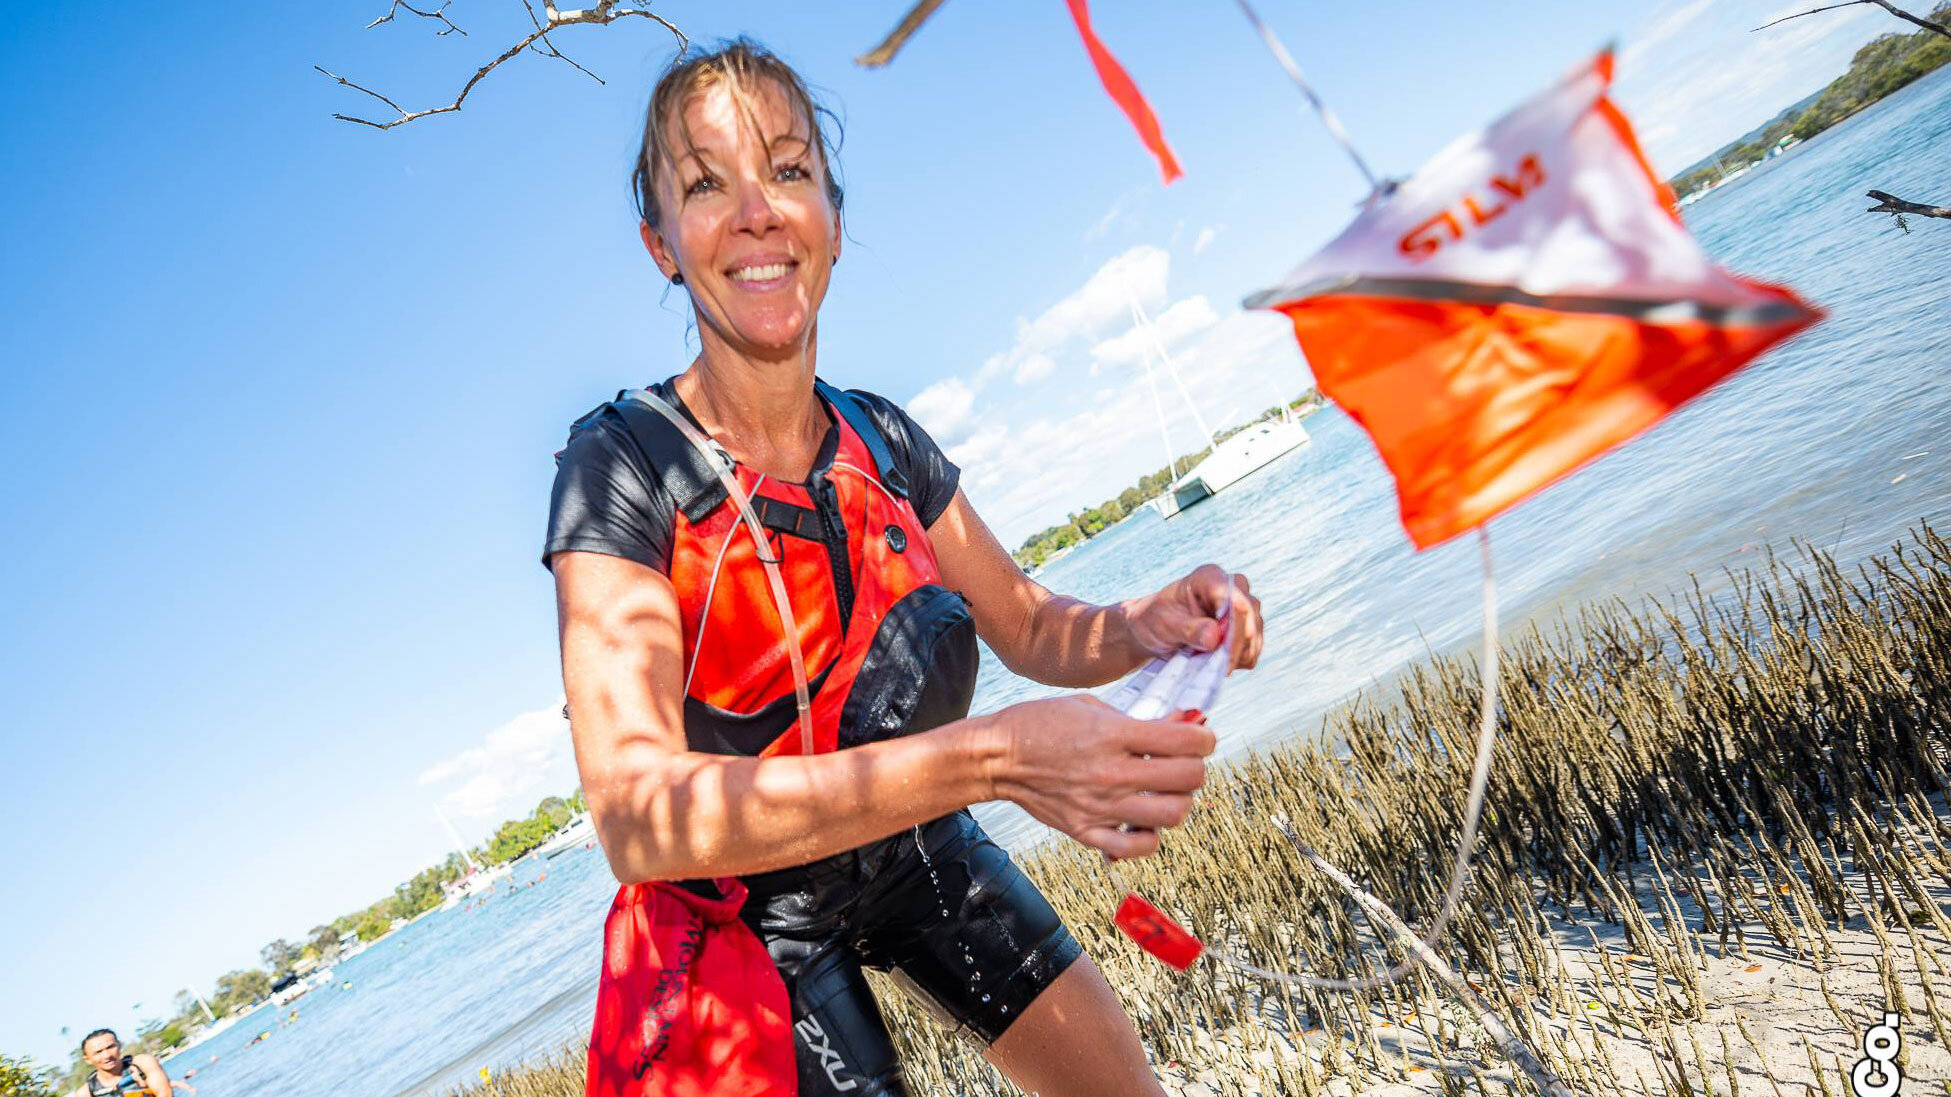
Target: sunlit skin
{"type": "Point", "coordinates": [104, 1053]}
{"type": "Point", "coordinates": [749, 198]}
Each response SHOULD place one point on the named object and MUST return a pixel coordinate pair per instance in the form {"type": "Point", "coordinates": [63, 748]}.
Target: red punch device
{"type": "Point", "coordinates": [1185, 683]}
{"type": "Point", "coordinates": [1156, 932]}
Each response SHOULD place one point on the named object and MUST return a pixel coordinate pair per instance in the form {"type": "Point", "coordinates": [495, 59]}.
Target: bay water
{"type": "Point", "coordinates": [1841, 439]}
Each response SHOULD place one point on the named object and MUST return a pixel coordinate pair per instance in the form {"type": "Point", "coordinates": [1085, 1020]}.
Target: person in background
{"type": "Point", "coordinates": [139, 1075]}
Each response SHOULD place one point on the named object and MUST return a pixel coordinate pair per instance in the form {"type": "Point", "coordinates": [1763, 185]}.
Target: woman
{"type": "Point", "coordinates": [678, 663]}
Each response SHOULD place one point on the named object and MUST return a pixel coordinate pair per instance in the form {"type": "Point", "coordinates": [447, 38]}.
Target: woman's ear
{"type": "Point", "coordinates": [660, 253]}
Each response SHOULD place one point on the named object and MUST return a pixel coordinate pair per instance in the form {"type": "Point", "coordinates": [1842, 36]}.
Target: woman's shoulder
{"type": "Point", "coordinates": [608, 497]}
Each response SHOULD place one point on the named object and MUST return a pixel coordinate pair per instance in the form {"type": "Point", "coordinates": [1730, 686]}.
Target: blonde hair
{"type": "Point", "coordinates": [739, 65]}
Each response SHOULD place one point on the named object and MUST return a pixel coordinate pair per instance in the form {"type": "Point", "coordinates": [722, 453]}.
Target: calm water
{"type": "Point", "coordinates": [1842, 438]}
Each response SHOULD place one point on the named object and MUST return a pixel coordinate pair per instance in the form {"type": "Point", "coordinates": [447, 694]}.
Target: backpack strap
{"type": "Point", "coordinates": [857, 417]}
{"type": "Point", "coordinates": [693, 484]}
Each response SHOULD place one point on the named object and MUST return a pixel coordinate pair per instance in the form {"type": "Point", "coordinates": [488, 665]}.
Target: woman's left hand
{"type": "Point", "coordinates": [1186, 614]}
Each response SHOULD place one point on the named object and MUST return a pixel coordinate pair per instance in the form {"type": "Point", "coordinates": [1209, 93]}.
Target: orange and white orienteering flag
{"type": "Point", "coordinates": [1526, 301]}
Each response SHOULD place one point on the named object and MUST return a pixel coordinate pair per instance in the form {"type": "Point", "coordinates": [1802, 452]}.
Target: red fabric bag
{"type": "Point", "coordinates": [690, 1003]}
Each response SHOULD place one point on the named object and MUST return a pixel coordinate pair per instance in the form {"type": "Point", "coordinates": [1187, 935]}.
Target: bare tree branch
{"type": "Point", "coordinates": [1886, 5]}
{"type": "Point", "coordinates": [439, 13]}
{"type": "Point", "coordinates": [1900, 13]}
{"type": "Point", "coordinates": [898, 37]}
{"type": "Point", "coordinates": [548, 49]}
{"type": "Point", "coordinates": [603, 13]}
{"type": "Point", "coordinates": [1890, 203]}
{"type": "Point", "coordinates": [1811, 11]}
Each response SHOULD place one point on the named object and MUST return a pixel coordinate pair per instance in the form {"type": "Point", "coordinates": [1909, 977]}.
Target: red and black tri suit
{"type": "Point", "coordinates": [888, 651]}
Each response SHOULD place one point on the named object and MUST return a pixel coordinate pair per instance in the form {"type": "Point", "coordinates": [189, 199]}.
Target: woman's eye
{"type": "Point", "coordinates": [703, 184]}
{"type": "Point", "coordinates": [793, 173]}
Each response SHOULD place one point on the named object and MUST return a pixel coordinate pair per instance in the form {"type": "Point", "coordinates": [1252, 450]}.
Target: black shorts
{"type": "Point", "coordinates": [942, 907]}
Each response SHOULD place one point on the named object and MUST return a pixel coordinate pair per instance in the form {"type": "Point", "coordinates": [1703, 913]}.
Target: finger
{"type": "Point", "coordinates": [1163, 775]}
{"type": "Point", "coordinates": [1163, 809]}
{"type": "Point", "coordinates": [1246, 627]}
{"type": "Point", "coordinates": [1209, 588]}
{"type": "Point", "coordinates": [1169, 738]}
{"type": "Point", "coordinates": [1121, 845]}
{"type": "Point", "coordinates": [1259, 636]}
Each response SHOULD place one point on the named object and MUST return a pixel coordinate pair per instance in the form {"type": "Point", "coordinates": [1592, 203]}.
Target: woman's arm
{"type": "Point", "coordinates": [666, 812]}
{"type": "Point", "coordinates": [1063, 641]}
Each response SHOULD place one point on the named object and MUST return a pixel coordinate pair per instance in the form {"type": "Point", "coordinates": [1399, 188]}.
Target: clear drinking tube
{"type": "Point", "coordinates": [771, 564]}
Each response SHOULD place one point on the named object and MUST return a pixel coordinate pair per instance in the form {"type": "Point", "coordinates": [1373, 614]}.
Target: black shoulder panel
{"type": "Point", "coordinates": [858, 418]}
{"type": "Point", "coordinates": [684, 472]}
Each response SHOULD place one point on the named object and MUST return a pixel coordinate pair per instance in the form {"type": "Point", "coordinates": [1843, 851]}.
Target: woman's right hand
{"type": "Point", "coordinates": [1081, 766]}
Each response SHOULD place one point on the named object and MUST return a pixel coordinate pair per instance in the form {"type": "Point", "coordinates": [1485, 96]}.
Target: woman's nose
{"type": "Point", "coordinates": [758, 209]}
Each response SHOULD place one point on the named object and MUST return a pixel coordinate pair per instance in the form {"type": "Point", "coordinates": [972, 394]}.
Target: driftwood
{"type": "Point", "coordinates": [1890, 203]}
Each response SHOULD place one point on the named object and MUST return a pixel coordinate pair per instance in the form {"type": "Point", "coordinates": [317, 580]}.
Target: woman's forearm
{"type": "Point", "coordinates": [685, 815]}
{"type": "Point", "coordinates": [1074, 643]}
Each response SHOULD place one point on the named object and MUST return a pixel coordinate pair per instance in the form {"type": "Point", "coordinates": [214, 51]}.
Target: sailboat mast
{"type": "Point", "coordinates": [1158, 405]}
{"type": "Point", "coordinates": [456, 836]}
{"type": "Point", "coordinates": [1158, 344]}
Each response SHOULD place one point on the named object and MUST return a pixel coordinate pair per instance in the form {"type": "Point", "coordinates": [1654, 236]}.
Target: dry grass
{"type": "Point", "coordinates": [1716, 844]}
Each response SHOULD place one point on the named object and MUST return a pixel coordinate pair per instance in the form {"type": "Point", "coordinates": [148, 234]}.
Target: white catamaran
{"type": "Point", "coordinates": [1231, 460]}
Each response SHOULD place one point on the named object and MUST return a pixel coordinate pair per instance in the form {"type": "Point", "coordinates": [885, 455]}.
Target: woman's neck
{"type": "Point", "coordinates": [764, 412]}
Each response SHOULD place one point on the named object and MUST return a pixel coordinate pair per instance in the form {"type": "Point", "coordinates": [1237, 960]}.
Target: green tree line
{"type": "Point", "coordinates": [1885, 64]}
{"type": "Point", "coordinates": [237, 991]}
{"type": "Point", "coordinates": [1085, 524]}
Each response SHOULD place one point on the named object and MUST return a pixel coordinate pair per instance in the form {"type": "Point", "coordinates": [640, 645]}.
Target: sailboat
{"type": "Point", "coordinates": [1231, 460]}
{"type": "Point", "coordinates": [477, 880]}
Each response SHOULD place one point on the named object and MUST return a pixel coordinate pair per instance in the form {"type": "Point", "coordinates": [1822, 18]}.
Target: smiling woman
{"type": "Point", "coordinates": [769, 593]}
{"type": "Point", "coordinates": [756, 258]}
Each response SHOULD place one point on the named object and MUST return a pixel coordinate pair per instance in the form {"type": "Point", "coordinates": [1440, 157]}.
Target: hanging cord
{"type": "Point", "coordinates": [1377, 185]}
{"type": "Point", "coordinates": [1472, 814]}
{"type": "Point", "coordinates": [711, 591]}
{"type": "Point", "coordinates": [1422, 949]}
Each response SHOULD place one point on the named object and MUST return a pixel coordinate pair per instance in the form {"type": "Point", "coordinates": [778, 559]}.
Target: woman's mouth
{"type": "Point", "coordinates": [763, 276]}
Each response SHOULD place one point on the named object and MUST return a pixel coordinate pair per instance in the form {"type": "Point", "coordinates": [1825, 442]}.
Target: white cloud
{"type": "Point", "coordinates": [1663, 28]}
{"type": "Point", "coordinates": [1034, 367]}
{"type": "Point", "coordinates": [1206, 236]}
{"type": "Point", "coordinates": [516, 760]}
{"type": "Point", "coordinates": [1131, 348]}
{"type": "Point", "coordinates": [943, 409]}
{"type": "Point", "coordinates": [1029, 455]}
{"type": "Point", "coordinates": [1110, 218]}
{"type": "Point", "coordinates": [1026, 475]}
{"type": "Point", "coordinates": [979, 449]}
{"type": "Point", "coordinates": [1101, 304]}
{"type": "Point", "coordinates": [1103, 301]}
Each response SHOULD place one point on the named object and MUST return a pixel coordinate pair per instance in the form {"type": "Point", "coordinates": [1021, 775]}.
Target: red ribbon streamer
{"type": "Point", "coordinates": [1156, 932]}
{"type": "Point", "coordinates": [1125, 93]}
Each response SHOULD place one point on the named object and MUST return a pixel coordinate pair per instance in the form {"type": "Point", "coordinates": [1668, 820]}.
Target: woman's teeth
{"type": "Point", "coordinates": [761, 274]}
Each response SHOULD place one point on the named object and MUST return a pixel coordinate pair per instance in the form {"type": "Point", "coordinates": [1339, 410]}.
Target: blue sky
{"type": "Point", "coordinates": [283, 391]}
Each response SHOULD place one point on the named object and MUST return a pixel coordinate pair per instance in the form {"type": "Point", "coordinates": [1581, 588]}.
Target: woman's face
{"type": "Point", "coordinates": [744, 216]}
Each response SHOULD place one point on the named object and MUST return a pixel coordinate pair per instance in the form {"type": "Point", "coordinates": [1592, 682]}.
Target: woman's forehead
{"type": "Point", "coordinates": [720, 113]}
